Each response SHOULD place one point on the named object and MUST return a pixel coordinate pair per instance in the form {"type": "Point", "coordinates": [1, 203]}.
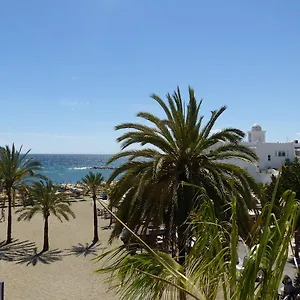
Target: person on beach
{"type": "Point", "coordinates": [2, 219]}
{"type": "Point", "coordinates": [125, 238]}
{"type": "Point", "coordinates": [125, 234]}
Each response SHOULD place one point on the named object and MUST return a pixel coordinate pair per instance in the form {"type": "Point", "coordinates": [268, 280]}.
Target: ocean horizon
{"type": "Point", "coordinates": [71, 168]}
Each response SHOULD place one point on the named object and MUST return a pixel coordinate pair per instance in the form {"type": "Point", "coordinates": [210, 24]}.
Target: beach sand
{"type": "Point", "coordinates": [64, 273]}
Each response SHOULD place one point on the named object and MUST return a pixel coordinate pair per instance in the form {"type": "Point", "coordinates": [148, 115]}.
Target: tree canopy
{"type": "Point", "coordinates": [289, 179]}
{"type": "Point", "coordinates": [179, 147]}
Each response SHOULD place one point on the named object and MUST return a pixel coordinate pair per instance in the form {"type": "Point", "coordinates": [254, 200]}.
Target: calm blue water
{"type": "Point", "coordinates": [65, 168]}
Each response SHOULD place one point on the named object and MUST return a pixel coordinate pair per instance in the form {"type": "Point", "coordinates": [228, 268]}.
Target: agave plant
{"type": "Point", "coordinates": [210, 269]}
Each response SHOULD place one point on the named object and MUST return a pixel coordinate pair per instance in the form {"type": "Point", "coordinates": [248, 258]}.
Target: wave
{"type": "Point", "coordinates": [93, 168]}
{"type": "Point", "coordinates": [80, 168]}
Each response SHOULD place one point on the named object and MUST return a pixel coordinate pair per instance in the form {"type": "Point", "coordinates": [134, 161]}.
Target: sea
{"type": "Point", "coordinates": [71, 168]}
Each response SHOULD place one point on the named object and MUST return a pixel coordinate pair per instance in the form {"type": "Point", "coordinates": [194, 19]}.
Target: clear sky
{"type": "Point", "coordinates": [72, 69]}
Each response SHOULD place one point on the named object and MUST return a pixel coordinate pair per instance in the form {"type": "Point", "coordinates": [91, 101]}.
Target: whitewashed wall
{"type": "Point", "coordinates": [263, 170]}
{"type": "Point", "coordinates": [274, 155]}
{"type": "Point", "coordinates": [279, 153]}
{"type": "Point", "coordinates": [257, 136]}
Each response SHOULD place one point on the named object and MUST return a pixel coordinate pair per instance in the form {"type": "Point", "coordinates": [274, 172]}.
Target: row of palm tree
{"type": "Point", "coordinates": [181, 170]}
{"type": "Point", "coordinates": [180, 149]}
{"type": "Point", "coordinates": [20, 172]}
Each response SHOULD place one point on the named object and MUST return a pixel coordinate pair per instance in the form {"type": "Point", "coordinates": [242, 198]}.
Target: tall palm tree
{"type": "Point", "coordinates": [46, 200]}
{"type": "Point", "coordinates": [15, 168]}
{"type": "Point", "coordinates": [92, 182]}
{"type": "Point", "coordinates": [180, 149]}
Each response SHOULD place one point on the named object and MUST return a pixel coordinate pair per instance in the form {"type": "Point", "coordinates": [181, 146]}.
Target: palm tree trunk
{"type": "Point", "coordinates": [46, 234]}
{"type": "Point", "coordinates": [181, 218]}
{"type": "Point", "coordinates": [182, 215]}
{"type": "Point", "coordinates": [182, 252]}
{"type": "Point", "coordinates": [185, 197]}
{"type": "Point", "coordinates": [111, 216]}
{"type": "Point", "coordinates": [96, 238]}
{"type": "Point", "coordinates": [9, 218]}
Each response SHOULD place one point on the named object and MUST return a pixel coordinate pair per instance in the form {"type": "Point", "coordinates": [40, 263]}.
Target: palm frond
{"type": "Point", "coordinates": [45, 199]}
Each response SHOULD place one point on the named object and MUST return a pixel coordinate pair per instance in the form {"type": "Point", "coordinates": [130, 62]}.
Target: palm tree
{"type": "Point", "coordinates": [92, 182]}
{"type": "Point", "coordinates": [210, 268]}
{"type": "Point", "coordinates": [46, 200]}
{"type": "Point", "coordinates": [180, 149]}
{"type": "Point", "coordinates": [15, 168]}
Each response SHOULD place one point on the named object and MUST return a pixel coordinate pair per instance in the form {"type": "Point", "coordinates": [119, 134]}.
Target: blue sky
{"type": "Point", "coordinates": [72, 69]}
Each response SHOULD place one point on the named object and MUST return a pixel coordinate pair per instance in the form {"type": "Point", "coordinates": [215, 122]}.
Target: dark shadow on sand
{"type": "Point", "coordinates": [16, 251]}
{"type": "Point", "coordinates": [46, 257]}
{"type": "Point", "coordinates": [87, 249]}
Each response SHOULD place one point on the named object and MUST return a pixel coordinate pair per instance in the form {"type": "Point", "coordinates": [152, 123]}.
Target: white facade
{"type": "Point", "coordinates": [256, 134]}
{"type": "Point", "coordinates": [271, 155]}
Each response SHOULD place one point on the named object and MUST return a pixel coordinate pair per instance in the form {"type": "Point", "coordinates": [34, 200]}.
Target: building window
{"type": "Point", "coordinates": [269, 157]}
{"type": "Point", "coordinates": [281, 153]}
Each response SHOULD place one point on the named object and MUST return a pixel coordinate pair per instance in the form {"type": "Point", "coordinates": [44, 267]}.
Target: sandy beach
{"type": "Point", "coordinates": [64, 273]}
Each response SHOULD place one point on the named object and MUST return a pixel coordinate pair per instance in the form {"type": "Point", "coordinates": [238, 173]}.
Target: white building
{"type": "Point", "coordinates": [271, 155]}
{"type": "Point", "coordinates": [256, 134]}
